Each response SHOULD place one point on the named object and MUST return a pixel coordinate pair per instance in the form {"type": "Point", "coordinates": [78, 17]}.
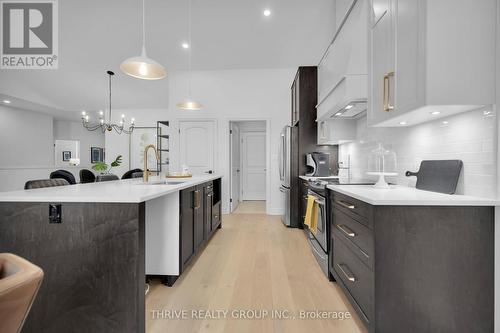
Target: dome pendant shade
{"type": "Point", "coordinates": [142, 67]}
{"type": "Point", "coordinates": [189, 104]}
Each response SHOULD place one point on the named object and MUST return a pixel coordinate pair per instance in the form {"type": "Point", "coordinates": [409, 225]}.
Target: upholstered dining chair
{"type": "Point", "coordinates": [138, 174]}
{"type": "Point", "coordinates": [86, 176]}
{"type": "Point", "coordinates": [129, 174]}
{"type": "Point", "coordinates": [39, 183]}
{"type": "Point", "coordinates": [106, 178]}
{"type": "Point", "coordinates": [64, 175]}
{"type": "Point", "coordinates": [20, 281]}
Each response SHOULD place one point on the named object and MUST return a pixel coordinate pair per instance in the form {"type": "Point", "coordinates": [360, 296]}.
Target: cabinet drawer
{"type": "Point", "coordinates": [216, 215]}
{"type": "Point", "coordinates": [358, 210]}
{"type": "Point", "coordinates": [357, 237]}
{"type": "Point", "coordinates": [356, 277]}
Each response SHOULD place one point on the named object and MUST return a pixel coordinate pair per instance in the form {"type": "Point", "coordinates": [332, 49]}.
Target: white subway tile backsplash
{"type": "Point", "coordinates": [470, 137]}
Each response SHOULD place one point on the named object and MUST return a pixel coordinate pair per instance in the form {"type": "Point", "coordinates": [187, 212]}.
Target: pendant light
{"type": "Point", "coordinates": [142, 67]}
{"type": "Point", "coordinates": [189, 103]}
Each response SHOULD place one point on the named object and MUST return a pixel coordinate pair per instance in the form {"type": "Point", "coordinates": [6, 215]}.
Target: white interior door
{"type": "Point", "coordinates": [253, 158]}
{"type": "Point", "coordinates": [235, 166]}
{"type": "Point", "coordinates": [197, 145]}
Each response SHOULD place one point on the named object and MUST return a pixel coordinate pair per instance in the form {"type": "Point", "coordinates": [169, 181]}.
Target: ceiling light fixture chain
{"type": "Point", "coordinates": [189, 103]}
{"type": "Point", "coordinates": [108, 126]}
{"type": "Point", "coordinates": [190, 48]}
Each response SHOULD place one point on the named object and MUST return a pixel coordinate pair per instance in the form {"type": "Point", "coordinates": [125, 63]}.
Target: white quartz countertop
{"type": "Point", "coordinates": [409, 196]}
{"type": "Point", "coordinates": [126, 191]}
{"type": "Point", "coordinates": [318, 178]}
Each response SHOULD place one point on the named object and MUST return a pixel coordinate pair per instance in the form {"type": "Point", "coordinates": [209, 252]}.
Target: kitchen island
{"type": "Point", "coordinates": [97, 242]}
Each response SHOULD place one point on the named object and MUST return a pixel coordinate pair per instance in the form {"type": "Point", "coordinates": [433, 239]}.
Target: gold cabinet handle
{"type": "Point", "coordinates": [347, 273]}
{"type": "Point", "coordinates": [197, 201]}
{"type": "Point", "coordinates": [347, 231]}
{"type": "Point", "coordinates": [345, 204]}
{"type": "Point", "coordinates": [387, 92]}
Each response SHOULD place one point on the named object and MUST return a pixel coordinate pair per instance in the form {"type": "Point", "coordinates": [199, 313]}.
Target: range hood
{"type": "Point", "coordinates": [346, 100]}
{"type": "Point", "coordinates": [343, 69]}
{"type": "Point", "coordinates": [352, 110]}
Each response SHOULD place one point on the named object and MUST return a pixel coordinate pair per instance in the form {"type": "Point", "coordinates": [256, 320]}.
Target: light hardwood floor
{"type": "Point", "coordinates": [251, 207]}
{"type": "Point", "coordinates": [252, 263]}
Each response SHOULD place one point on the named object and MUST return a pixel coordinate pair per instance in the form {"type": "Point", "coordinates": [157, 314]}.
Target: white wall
{"type": "Point", "coordinates": [226, 95]}
{"type": "Point", "coordinates": [73, 130]}
{"type": "Point", "coordinates": [26, 138]}
{"type": "Point", "coordinates": [27, 145]}
{"type": "Point", "coordinates": [471, 137]}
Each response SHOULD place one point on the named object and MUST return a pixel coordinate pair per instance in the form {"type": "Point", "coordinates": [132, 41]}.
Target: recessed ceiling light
{"type": "Point", "coordinates": [6, 101]}
{"type": "Point", "coordinates": [402, 123]}
{"type": "Point", "coordinates": [338, 114]}
{"type": "Point", "coordinates": [445, 123]}
{"type": "Point", "coordinates": [435, 113]}
{"type": "Point", "coordinates": [349, 107]}
{"type": "Point", "coordinates": [185, 45]}
{"type": "Point", "coordinates": [267, 12]}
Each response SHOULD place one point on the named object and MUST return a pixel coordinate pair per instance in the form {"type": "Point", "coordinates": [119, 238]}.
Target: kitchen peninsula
{"type": "Point", "coordinates": [97, 242]}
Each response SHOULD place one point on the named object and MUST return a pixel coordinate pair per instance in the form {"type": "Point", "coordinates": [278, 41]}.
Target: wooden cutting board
{"type": "Point", "coordinates": [438, 175]}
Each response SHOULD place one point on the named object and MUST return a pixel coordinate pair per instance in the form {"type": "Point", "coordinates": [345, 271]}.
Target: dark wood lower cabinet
{"type": "Point", "coordinates": [415, 268]}
{"type": "Point", "coordinates": [187, 217]}
{"type": "Point", "coordinates": [198, 220]}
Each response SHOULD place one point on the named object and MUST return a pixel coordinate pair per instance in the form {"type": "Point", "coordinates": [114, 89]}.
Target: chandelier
{"type": "Point", "coordinates": [107, 126]}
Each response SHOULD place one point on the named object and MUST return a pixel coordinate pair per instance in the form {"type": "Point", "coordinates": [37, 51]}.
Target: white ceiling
{"type": "Point", "coordinates": [96, 35]}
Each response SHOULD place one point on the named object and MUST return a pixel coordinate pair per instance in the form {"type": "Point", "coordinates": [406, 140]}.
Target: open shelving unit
{"type": "Point", "coordinates": [163, 145]}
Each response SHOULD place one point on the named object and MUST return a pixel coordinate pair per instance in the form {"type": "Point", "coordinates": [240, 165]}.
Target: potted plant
{"type": "Point", "coordinates": [104, 168]}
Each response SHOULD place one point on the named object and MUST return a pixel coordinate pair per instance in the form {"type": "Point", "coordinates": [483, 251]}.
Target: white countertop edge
{"type": "Point", "coordinates": [409, 196]}
{"type": "Point", "coordinates": [45, 195]}
{"type": "Point", "coordinates": [318, 178]}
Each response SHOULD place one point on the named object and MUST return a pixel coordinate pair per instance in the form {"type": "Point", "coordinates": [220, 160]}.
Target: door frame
{"type": "Point", "coordinates": [216, 138]}
{"type": "Point", "coordinates": [227, 142]}
{"type": "Point", "coordinates": [241, 159]}
{"type": "Point", "coordinates": [231, 180]}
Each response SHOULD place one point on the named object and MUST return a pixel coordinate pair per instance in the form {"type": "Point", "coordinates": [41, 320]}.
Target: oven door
{"type": "Point", "coordinates": [321, 232]}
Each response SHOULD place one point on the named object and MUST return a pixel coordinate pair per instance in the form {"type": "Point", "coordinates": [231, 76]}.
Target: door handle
{"type": "Point", "coordinates": [347, 273]}
{"type": "Point", "coordinates": [387, 92]}
{"type": "Point", "coordinates": [347, 231]}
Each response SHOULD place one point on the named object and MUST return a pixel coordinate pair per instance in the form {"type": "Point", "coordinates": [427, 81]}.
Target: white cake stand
{"type": "Point", "coordinates": [381, 183]}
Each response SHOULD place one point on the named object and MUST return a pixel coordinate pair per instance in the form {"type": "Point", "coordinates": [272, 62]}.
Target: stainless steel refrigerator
{"type": "Point", "coordinates": [285, 159]}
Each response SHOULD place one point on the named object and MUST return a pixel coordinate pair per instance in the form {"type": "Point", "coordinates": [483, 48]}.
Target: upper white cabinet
{"type": "Point", "coordinates": [429, 59]}
{"type": "Point", "coordinates": [343, 71]}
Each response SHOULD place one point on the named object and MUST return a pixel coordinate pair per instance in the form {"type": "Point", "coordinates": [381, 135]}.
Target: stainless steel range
{"type": "Point", "coordinates": [320, 241]}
